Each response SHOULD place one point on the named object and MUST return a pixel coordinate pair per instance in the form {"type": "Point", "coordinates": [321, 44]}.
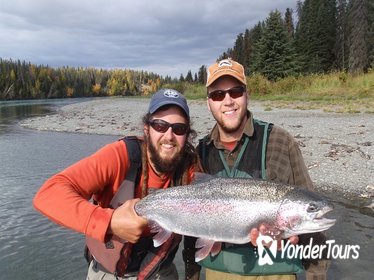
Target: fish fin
{"type": "Point", "coordinates": [161, 234]}
{"type": "Point", "coordinates": [205, 246]}
{"type": "Point", "coordinates": [216, 249]}
{"type": "Point", "coordinates": [202, 177]}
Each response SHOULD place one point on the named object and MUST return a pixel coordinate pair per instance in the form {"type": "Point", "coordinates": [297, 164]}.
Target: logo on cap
{"type": "Point", "coordinates": [225, 62]}
{"type": "Point", "coordinates": [171, 93]}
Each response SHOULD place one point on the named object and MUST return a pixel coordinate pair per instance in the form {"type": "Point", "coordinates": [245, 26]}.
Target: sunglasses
{"type": "Point", "coordinates": [234, 92]}
{"type": "Point", "coordinates": [163, 126]}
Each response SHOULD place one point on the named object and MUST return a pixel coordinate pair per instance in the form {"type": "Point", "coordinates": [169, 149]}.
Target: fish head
{"type": "Point", "coordinates": [302, 211]}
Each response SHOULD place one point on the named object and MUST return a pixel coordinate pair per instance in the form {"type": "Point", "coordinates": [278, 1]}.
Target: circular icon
{"type": "Point", "coordinates": [171, 93]}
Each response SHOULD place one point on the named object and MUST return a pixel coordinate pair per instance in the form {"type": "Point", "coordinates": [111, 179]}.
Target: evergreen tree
{"type": "Point", "coordinates": [316, 35]}
{"type": "Point", "coordinates": [288, 21]}
{"type": "Point", "coordinates": [189, 78]}
{"type": "Point", "coordinates": [341, 36]}
{"type": "Point", "coordinates": [226, 54]}
{"type": "Point", "coordinates": [238, 50]}
{"type": "Point", "coordinates": [255, 36]}
{"type": "Point", "coordinates": [370, 6]}
{"type": "Point", "coordinates": [275, 57]}
{"type": "Point", "coordinates": [327, 34]}
{"type": "Point", "coordinates": [202, 74]}
{"type": "Point", "coordinates": [358, 39]}
{"type": "Point", "coordinates": [299, 9]}
{"type": "Point", "coordinates": [247, 51]}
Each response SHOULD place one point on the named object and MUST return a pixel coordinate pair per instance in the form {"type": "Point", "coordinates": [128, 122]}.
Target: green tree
{"type": "Point", "coordinates": [226, 54]}
{"type": "Point", "coordinates": [341, 49]}
{"type": "Point", "coordinates": [358, 40]}
{"type": "Point", "coordinates": [255, 35]}
{"type": "Point", "coordinates": [201, 76]}
{"type": "Point", "coordinates": [247, 50]}
{"type": "Point", "coordinates": [316, 35]}
{"type": "Point", "coordinates": [238, 50]}
{"type": "Point", "coordinates": [370, 5]}
{"type": "Point", "coordinates": [275, 57]}
{"type": "Point", "coordinates": [288, 22]}
{"type": "Point", "coordinates": [189, 78]}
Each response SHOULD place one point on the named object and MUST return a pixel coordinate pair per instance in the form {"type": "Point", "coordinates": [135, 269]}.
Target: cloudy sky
{"type": "Point", "coordinates": [168, 37]}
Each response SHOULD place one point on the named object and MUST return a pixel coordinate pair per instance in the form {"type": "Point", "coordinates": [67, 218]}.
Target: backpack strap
{"type": "Point", "coordinates": [134, 153]}
{"type": "Point", "coordinates": [127, 188]}
{"type": "Point", "coordinates": [114, 254]}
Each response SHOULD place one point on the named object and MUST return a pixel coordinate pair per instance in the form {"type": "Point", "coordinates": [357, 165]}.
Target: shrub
{"type": "Point", "coordinates": [258, 85]}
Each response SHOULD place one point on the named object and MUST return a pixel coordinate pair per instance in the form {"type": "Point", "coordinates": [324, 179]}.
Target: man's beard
{"type": "Point", "coordinates": [229, 128]}
{"type": "Point", "coordinates": [163, 165]}
{"type": "Point", "coordinates": [226, 128]}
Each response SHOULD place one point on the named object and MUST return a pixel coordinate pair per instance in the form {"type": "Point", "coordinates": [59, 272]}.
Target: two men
{"type": "Point", "coordinates": [238, 146]}
{"type": "Point", "coordinates": [167, 158]}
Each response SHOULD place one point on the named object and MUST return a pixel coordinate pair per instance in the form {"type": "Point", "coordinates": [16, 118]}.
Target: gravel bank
{"type": "Point", "coordinates": [338, 148]}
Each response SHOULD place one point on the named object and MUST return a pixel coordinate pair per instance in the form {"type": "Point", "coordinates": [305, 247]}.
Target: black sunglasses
{"type": "Point", "coordinates": [163, 126]}
{"type": "Point", "coordinates": [234, 92]}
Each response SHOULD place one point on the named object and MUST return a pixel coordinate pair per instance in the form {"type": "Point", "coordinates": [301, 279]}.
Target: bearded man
{"type": "Point", "coordinates": [119, 243]}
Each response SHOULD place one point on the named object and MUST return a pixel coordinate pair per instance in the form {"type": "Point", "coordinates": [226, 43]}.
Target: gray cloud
{"type": "Point", "coordinates": [167, 37]}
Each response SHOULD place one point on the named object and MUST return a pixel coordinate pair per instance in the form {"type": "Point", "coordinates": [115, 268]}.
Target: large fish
{"type": "Point", "coordinates": [225, 210]}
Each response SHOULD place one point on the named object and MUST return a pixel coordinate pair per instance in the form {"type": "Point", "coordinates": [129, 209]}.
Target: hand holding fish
{"type": "Point", "coordinates": [264, 230]}
{"type": "Point", "coordinates": [126, 224]}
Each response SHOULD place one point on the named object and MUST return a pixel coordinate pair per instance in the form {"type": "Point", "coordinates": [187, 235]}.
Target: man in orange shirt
{"type": "Point", "coordinates": [64, 198]}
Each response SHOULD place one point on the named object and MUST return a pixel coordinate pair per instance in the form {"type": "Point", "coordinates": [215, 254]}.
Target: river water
{"type": "Point", "coordinates": [32, 247]}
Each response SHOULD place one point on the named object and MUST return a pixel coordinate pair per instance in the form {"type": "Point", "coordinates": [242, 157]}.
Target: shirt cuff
{"type": "Point", "coordinates": [99, 222]}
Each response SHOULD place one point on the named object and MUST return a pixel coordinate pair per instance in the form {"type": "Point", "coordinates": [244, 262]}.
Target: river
{"type": "Point", "coordinates": [32, 247]}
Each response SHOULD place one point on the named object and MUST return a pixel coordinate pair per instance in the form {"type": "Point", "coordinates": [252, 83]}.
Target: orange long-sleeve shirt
{"type": "Point", "coordinates": [64, 198]}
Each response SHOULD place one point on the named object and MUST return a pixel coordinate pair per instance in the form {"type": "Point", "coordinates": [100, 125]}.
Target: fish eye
{"type": "Point", "coordinates": [313, 207]}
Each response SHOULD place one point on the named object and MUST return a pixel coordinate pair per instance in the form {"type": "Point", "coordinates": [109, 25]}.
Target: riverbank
{"type": "Point", "coordinates": [338, 148]}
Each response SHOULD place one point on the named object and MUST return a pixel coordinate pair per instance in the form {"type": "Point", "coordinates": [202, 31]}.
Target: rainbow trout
{"type": "Point", "coordinates": [226, 209]}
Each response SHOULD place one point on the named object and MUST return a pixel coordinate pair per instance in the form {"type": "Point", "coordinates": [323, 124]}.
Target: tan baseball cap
{"type": "Point", "coordinates": [226, 67]}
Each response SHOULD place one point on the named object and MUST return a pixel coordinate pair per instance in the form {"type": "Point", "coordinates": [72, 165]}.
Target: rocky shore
{"type": "Point", "coordinates": [338, 148]}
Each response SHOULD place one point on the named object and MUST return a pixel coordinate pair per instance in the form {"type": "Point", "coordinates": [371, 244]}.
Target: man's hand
{"type": "Point", "coordinates": [126, 224]}
{"type": "Point", "coordinates": [264, 230]}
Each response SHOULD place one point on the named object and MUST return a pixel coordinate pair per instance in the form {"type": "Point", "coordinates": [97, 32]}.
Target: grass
{"type": "Point", "coordinates": [334, 92]}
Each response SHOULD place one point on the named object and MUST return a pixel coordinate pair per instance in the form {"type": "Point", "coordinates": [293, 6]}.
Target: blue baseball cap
{"type": "Point", "coordinates": [167, 96]}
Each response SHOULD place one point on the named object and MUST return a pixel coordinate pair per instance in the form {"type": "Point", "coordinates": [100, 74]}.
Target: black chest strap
{"type": "Point", "coordinates": [127, 188]}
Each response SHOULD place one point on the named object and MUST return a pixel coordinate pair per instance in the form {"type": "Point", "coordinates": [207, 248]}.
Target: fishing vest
{"type": "Point", "coordinates": [253, 151]}
{"type": "Point", "coordinates": [119, 257]}
{"type": "Point", "coordinates": [250, 163]}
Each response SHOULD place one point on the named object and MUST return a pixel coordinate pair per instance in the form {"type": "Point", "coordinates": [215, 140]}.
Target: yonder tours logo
{"type": "Point", "coordinates": [309, 251]}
